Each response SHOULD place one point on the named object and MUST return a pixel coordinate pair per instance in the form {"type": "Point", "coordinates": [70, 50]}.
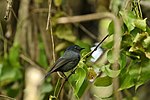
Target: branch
{"type": "Point", "coordinates": [66, 79]}
{"type": "Point", "coordinates": [47, 26]}
{"type": "Point", "coordinates": [4, 97]}
{"type": "Point", "coordinates": [33, 63]}
{"type": "Point", "coordinates": [86, 31]}
{"type": "Point", "coordinates": [97, 46]}
{"type": "Point", "coordinates": [87, 17]}
{"type": "Point", "coordinates": [49, 15]}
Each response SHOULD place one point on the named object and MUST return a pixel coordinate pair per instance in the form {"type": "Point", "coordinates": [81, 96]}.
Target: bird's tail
{"type": "Point", "coordinates": [47, 75]}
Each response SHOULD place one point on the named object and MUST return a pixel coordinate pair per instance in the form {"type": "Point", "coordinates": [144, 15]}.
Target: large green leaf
{"type": "Point", "coordinates": [137, 75]}
{"type": "Point", "coordinates": [46, 87]}
{"type": "Point", "coordinates": [146, 42]}
{"type": "Point", "coordinates": [10, 69]}
{"type": "Point", "coordinates": [42, 60]}
{"type": "Point", "coordinates": [82, 88]}
{"type": "Point", "coordinates": [141, 24]}
{"type": "Point", "coordinates": [127, 82]}
{"type": "Point", "coordinates": [9, 74]}
{"type": "Point", "coordinates": [77, 79]}
{"type": "Point", "coordinates": [110, 56]}
{"type": "Point", "coordinates": [111, 28]}
{"type": "Point", "coordinates": [57, 2]}
{"type": "Point", "coordinates": [111, 73]}
{"type": "Point", "coordinates": [14, 56]}
{"type": "Point", "coordinates": [108, 44]}
{"type": "Point", "coordinates": [65, 32]}
{"type": "Point", "coordinates": [81, 77]}
{"type": "Point", "coordinates": [128, 18]}
{"type": "Point", "coordinates": [122, 60]}
{"type": "Point", "coordinates": [103, 81]}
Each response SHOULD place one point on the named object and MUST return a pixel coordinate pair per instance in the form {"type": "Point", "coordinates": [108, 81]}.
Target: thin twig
{"type": "Point", "coordinates": [49, 23]}
{"type": "Point", "coordinates": [98, 44]}
{"type": "Point", "coordinates": [86, 31]}
{"type": "Point", "coordinates": [66, 79]}
{"type": "Point", "coordinates": [33, 63]}
{"type": "Point", "coordinates": [90, 53]}
{"type": "Point", "coordinates": [4, 97]}
{"type": "Point", "coordinates": [14, 14]}
{"type": "Point", "coordinates": [87, 17]}
{"type": "Point", "coordinates": [49, 15]}
{"type": "Point", "coordinates": [53, 44]}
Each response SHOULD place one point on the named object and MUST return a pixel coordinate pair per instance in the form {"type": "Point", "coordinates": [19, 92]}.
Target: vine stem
{"type": "Point", "coordinates": [49, 24]}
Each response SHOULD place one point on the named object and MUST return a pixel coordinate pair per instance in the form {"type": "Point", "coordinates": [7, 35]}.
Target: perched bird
{"type": "Point", "coordinates": [68, 61]}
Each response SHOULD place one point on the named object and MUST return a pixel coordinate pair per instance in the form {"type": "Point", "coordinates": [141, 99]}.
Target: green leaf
{"type": "Point", "coordinates": [57, 2]}
{"type": "Point", "coordinates": [65, 32]}
{"type": "Point", "coordinates": [10, 70]}
{"type": "Point", "coordinates": [60, 46]}
{"type": "Point", "coordinates": [46, 87]}
{"type": "Point", "coordinates": [1, 65]}
{"type": "Point", "coordinates": [103, 81]}
{"type": "Point", "coordinates": [127, 82]}
{"type": "Point", "coordinates": [139, 37]}
{"type": "Point", "coordinates": [82, 88]}
{"type": "Point", "coordinates": [141, 72]}
{"type": "Point", "coordinates": [111, 28]}
{"type": "Point", "coordinates": [111, 73]}
{"type": "Point", "coordinates": [122, 60]}
{"type": "Point", "coordinates": [9, 74]}
{"type": "Point", "coordinates": [141, 24]}
{"type": "Point", "coordinates": [81, 77]}
{"type": "Point", "coordinates": [42, 59]}
{"type": "Point", "coordinates": [110, 56]}
{"type": "Point", "coordinates": [108, 45]}
{"type": "Point", "coordinates": [146, 42]}
{"type": "Point", "coordinates": [127, 41]}
{"type": "Point", "coordinates": [128, 18]}
{"type": "Point", "coordinates": [137, 75]}
{"type": "Point", "coordinates": [77, 79]}
{"type": "Point", "coordinates": [14, 56]}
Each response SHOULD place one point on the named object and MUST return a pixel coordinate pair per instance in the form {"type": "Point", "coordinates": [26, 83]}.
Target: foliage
{"type": "Point", "coordinates": [134, 60]}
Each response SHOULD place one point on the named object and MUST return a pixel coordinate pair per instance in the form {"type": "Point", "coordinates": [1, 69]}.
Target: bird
{"type": "Point", "coordinates": [68, 61]}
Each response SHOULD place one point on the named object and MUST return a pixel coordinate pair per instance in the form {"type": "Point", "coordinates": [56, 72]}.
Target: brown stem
{"type": "Point", "coordinates": [66, 79]}
{"type": "Point", "coordinates": [51, 32]}
{"type": "Point", "coordinates": [4, 97]}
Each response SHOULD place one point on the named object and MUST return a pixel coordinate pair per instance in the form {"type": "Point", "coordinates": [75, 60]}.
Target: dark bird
{"type": "Point", "coordinates": [68, 61]}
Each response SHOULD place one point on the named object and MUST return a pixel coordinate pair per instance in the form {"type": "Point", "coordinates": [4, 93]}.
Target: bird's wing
{"type": "Point", "coordinates": [59, 63]}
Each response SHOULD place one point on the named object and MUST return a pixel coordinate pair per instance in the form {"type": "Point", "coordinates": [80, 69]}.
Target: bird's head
{"type": "Point", "coordinates": [74, 48]}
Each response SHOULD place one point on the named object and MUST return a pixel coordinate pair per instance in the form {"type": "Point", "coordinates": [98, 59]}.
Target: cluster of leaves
{"type": "Point", "coordinates": [134, 56]}
{"type": "Point", "coordinates": [135, 45]}
{"type": "Point", "coordinates": [134, 61]}
{"type": "Point", "coordinates": [10, 71]}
